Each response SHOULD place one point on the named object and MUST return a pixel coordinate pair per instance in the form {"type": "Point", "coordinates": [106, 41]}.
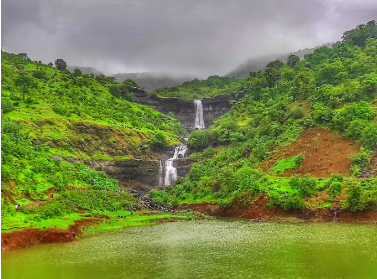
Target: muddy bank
{"type": "Point", "coordinates": [29, 237]}
{"type": "Point", "coordinates": [258, 211]}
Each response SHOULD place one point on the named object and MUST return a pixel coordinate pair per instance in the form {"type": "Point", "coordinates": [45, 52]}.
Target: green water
{"type": "Point", "coordinates": [206, 249]}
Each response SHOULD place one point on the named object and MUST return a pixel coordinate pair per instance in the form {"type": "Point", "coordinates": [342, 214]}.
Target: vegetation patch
{"type": "Point", "coordinates": [288, 163]}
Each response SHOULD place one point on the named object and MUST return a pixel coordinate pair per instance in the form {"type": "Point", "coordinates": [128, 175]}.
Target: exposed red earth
{"type": "Point", "coordinates": [258, 211]}
{"type": "Point", "coordinates": [325, 153]}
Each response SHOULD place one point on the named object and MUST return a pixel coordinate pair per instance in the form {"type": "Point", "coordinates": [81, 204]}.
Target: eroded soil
{"type": "Point", "coordinates": [325, 153]}
{"type": "Point", "coordinates": [29, 237]}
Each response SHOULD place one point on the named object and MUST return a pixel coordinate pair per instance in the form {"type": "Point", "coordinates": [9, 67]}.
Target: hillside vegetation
{"type": "Point", "coordinates": [277, 71]}
{"type": "Point", "coordinates": [247, 152]}
{"type": "Point", "coordinates": [49, 113]}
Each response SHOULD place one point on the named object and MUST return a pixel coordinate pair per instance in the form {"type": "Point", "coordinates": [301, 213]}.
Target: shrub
{"type": "Point", "coordinates": [369, 136]}
{"type": "Point", "coordinates": [198, 139]}
{"type": "Point", "coordinates": [361, 159]}
{"type": "Point", "coordinates": [114, 90]}
{"type": "Point", "coordinates": [354, 201]}
{"type": "Point", "coordinates": [335, 188]}
{"type": "Point", "coordinates": [297, 113]}
{"type": "Point", "coordinates": [159, 141]}
{"type": "Point", "coordinates": [6, 106]}
{"type": "Point", "coordinates": [293, 202]}
{"type": "Point", "coordinates": [39, 74]}
{"type": "Point", "coordinates": [209, 152]}
{"type": "Point", "coordinates": [129, 97]}
{"type": "Point", "coordinates": [306, 186]}
{"type": "Point", "coordinates": [356, 128]}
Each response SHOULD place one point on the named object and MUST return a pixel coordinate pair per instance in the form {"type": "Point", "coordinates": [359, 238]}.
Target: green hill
{"type": "Point", "coordinates": [48, 113]}
{"type": "Point", "coordinates": [315, 118]}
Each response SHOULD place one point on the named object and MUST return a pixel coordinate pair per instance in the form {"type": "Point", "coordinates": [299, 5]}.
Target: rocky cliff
{"type": "Point", "coordinates": [136, 174]}
{"type": "Point", "coordinates": [184, 110]}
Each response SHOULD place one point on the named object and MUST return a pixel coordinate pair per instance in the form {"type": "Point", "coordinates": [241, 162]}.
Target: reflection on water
{"type": "Point", "coordinates": [206, 249]}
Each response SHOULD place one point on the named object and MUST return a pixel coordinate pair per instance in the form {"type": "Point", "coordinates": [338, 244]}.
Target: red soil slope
{"type": "Point", "coordinates": [325, 153]}
{"type": "Point", "coordinates": [25, 238]}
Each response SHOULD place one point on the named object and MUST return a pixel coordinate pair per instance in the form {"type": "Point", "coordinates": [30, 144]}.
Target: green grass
{"type": "Point", "coordinates": [285, 164]}
{"type": "Point", "coordinates": [20, 221]}
{"type": "Point", "coordinates": [122, 219]}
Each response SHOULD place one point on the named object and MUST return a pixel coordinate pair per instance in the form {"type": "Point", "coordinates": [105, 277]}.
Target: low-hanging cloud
{"type": "Point", "coordinates": [197, 37]}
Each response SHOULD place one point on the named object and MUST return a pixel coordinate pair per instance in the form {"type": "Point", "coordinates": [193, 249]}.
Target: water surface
{"type": "Point", "coordinates": [206, 249]}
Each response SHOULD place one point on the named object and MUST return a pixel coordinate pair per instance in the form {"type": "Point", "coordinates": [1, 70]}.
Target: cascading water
{"type": "Point", "coordinates": [170, 170]}
{"type": "Point", "coordinates": [199, 120]}
{"type": "Point", "coordinates": [160, 173]}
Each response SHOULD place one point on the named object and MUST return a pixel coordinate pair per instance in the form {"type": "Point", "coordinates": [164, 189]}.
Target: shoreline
{"type": "Point", "coordinates": [85, 227]}
{"type": "Point", "coordinates": [258, 211]}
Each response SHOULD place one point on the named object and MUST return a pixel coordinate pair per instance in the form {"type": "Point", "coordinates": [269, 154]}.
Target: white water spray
{"type": "Point", "coordinates": [199, 119]}
{"type": "Point", "coordinates": [170, 170]}
{"type": "Point", "coordinates": [160, 173]}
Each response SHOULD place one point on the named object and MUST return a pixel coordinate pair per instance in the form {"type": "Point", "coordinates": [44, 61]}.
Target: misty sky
{"type": "Point", "coordinates": [200, 37]}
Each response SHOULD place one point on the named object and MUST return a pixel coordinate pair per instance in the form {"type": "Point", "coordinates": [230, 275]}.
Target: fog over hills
{"type": "Point", "coordinates": [85, 70]}
{"type": "Point", "coordinates": [153, 80]}
{"type": "Point", "coordinates": [259, 63]}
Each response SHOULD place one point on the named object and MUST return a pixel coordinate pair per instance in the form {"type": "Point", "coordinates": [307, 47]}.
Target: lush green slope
{"type": "Point", "coordinates": [46, 112]}
{"type": "Point", "coordinates": [223, 85]}
{"type": "Point", "coordinates": [334, 88]}
{"type": "Point", "coordinates": [75, 115]}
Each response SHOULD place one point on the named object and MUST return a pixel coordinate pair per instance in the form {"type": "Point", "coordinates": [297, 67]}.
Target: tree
{"type": "Point", "coordinates": [77, 73]}
{"type": "Point", "coordinates": [292, 60]}
{"type": "Point", "coordinates": [114, 90]}
{"type": "Point", "coordinates": [25, 83]}
{"type": "Point", "coordinates": [275, 64]}
{"type": "Point", "coordinates": [271, 75]}
{"type": "Point", "coordinates": [60, 64]}
{"type": "Point", "coordinates": [23, 55]}
{"type": "Point", "coordinates": [130, 83]}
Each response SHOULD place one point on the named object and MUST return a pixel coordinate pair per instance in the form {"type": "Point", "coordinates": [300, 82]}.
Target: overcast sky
{"type": "Point", "coordinates": [200, 37]}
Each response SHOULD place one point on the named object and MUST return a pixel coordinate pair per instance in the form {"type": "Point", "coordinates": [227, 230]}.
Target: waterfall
{"type": "Point", "coordinates": [199, 120]}
{"type": "Point", "coordinates": [170, 170]}
{"type": "Point", "coordinates": [160, 173]}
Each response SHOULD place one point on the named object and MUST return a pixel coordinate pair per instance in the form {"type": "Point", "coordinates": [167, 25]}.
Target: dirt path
{"type": "Point", "coordinates": [325, 153]}
{"type": "Point", "coordinates": [33, 204]}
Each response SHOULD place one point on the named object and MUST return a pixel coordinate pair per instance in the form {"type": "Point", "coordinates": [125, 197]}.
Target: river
{"type": "Point", "coordinates": [206, 249]}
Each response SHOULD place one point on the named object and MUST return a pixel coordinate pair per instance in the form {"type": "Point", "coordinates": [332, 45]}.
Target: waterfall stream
{"type": "Point", "coordinates": [199, 119]}
{"type": "Point", "coordinates": [170, 170]}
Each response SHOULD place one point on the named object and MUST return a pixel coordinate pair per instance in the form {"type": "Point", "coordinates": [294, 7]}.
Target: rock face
{"type": "Point", "coordinates": [140, 175]}
{"type": "Point", "coordinates": [184, 110]}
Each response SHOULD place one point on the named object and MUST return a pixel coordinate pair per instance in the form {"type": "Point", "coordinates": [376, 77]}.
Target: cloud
{"type": "Point", "coordinates": [197, 37]}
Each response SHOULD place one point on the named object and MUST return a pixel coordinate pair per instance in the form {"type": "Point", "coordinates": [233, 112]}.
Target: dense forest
{"type": "Point", "coordinates": [332, 92]}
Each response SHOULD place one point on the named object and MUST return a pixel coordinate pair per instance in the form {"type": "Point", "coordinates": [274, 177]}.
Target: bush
{"type": "Point", "coordinates": [293, 202]}
{"type": "Point", "coordinates": [39, 74]}
{"type": "Point", "coordinates": [356, 128]}
{"type": "Point", "coordinates": [159, 141]}
{"type": "Point", "coordinates": [297, 113]}
{"type": "Point", "coordinates": [335, 188]}
{"type": "Point", "coordinates": [306, 186]}
{"type": "Point", "coordinates": [6, 106]}
{"type": "Point", "coordinates": [369, 136]}
{"type": "Point", "coordinates": [198, 139]}
{"type": "Point", "coordinates": [114, 90]}
{"type": "Point", "coordinates": [129, 97]}
{"type": "Point", "coordinates": [354, 201]}
{"type": "Point", "coordinates": [209, 152]}
{"type": "Point", "coordinates": [361, 159]}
